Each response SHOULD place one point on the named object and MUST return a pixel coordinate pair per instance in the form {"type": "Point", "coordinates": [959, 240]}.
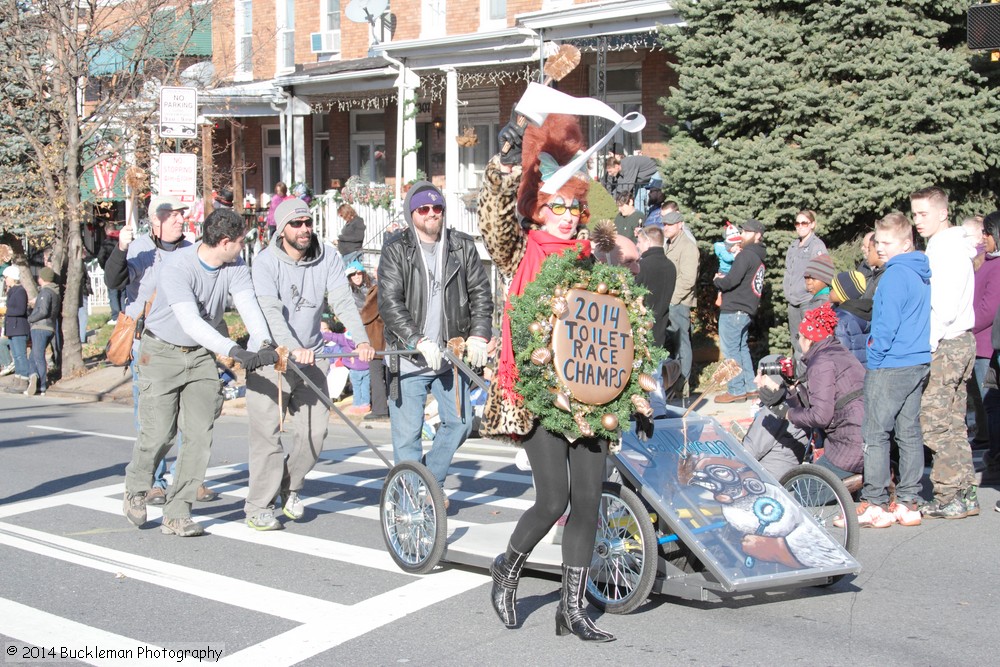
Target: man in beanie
{"type": "Point", "coordinates": [741, 289]}
{"type": "Point", "coordinates": [800, 252]}
{"type": "Point", "coordinates": [828, 398]}
{"type": "Point", "coordinates": [44, 318]}
{"type": "Point", "coordinates": [432, 288]}
{"type": "Point", "coordinates": [293, 277]}
{"type": "Point", "coordinates": [854, 312]}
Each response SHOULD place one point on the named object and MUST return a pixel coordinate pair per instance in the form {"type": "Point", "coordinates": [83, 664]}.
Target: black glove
{"type": "Point", "coordinates": [643, 427]}
{"type": "Point", "coordinates": [510, 137]}
{"type": "Point", "coordinates": [267, 356]}
{"type": "Point", "coordinates": [251, 361]}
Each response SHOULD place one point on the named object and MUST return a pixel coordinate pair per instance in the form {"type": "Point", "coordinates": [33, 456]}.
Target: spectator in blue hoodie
{"type": "Point", "coordinates": [899, 357]}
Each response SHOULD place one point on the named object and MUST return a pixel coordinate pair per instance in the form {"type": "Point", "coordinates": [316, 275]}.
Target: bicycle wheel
{"type": "Point", "coordinates": [414, 523]}
{"type": "Point", "coordinates": [623, 569]}
{"type": "Point", "coordinates": [824, 495]}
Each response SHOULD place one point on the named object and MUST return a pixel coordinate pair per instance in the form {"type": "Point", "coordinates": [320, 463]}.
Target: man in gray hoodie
{"type": "Point", "coordinates": [293, 278]}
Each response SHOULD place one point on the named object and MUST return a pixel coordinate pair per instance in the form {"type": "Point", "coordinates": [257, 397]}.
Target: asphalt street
{"type": "Point", "coordinates": [77, 577]}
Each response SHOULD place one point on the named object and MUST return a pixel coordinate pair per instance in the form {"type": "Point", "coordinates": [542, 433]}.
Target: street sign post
{"type": "Point", "coordinates": [178, 112]}
{"type": "Point", "coordinates": [178, 176]}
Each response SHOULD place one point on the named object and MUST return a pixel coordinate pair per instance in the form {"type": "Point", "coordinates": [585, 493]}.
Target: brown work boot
{"type": "Point", "coordinates": [206, 495]}
{"type": "Point", "coordinates": [730, 398]}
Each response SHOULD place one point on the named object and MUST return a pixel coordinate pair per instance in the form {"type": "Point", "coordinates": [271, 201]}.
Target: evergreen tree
{"type": "Point", "coordinates": [842, 107]}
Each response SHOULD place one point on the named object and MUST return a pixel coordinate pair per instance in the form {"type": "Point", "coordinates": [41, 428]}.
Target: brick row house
{"type": "Point", "coordinates": [310, 88]}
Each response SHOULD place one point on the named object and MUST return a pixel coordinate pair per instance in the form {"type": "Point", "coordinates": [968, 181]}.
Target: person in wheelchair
{"type": "Point", "coordinates": [826, 403]}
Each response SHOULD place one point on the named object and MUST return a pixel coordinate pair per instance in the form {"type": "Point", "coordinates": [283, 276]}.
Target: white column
{"type": "Point", "coordinates": [299, 148]}
{"type": "Point", "coordinates": [450, 133]}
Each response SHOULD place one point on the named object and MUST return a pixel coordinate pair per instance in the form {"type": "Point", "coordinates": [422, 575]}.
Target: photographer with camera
{"type": "Point", "coordinates": [829, 399]}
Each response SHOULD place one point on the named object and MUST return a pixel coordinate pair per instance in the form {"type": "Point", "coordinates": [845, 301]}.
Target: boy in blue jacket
{"type": "Point", "coordinates": [899, 357]}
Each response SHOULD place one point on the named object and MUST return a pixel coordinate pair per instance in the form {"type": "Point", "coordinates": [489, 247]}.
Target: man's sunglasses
{"type": "Point", "coordinates": [559, 209]}
{"type": "Point", "coordinates": [427, 208]}
{"type": "Point", "coordinates": [295, 224]}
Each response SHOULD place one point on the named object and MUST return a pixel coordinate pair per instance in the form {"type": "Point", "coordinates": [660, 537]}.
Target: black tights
{"type": "Point", "coordinates": [548, 454]}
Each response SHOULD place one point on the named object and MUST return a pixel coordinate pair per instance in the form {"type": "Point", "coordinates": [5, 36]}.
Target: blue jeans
{"type": "Point", "coordinates": [679, 333]}
{"type": "Point", "coordinates": [892, 402]}
{"type": "Point", "coordinates": [406, 414]}
{"type": "Point", "coordinates": [361, 383]}
{"type": "Point", "coordinates": [5, 358]}
{"type": "Point", "coordinates": [115, 299]}
{"type": "Point", "coordinates": [19, 350]}
{"type": "Point", "coordinates": [81, 316]}
{"type": "Point", "coordinates": [733, 331]}
{"type": "Point", "coordinates": [39, 341]}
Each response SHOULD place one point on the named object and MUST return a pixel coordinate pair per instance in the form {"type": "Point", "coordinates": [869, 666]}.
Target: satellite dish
{"type": "Point", "coordinates": [365, 11]}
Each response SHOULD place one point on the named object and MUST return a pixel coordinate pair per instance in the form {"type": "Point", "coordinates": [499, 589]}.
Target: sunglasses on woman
{"type": "Point", "coordinates": [427, 208]}
{"type": "Point", "coordinates": [559, 209]}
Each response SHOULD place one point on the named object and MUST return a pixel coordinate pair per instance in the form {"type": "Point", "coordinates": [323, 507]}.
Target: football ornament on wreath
{"type": "Point", "coordinates": [584, 346]}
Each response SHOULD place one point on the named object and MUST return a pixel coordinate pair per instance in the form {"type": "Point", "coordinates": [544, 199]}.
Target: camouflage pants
{"type": "Point", "coordinates": [942, 416]}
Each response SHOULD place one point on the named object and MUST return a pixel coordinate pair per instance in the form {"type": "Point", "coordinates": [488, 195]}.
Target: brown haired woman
{"type": "Point", "coordinates": [518, 248]}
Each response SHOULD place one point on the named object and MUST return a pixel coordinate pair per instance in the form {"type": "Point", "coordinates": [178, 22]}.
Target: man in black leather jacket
{"type": "Point", "coordinates": [432, 288]}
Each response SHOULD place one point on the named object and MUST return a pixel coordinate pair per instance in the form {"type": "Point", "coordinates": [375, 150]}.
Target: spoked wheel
{"type": "Point", "coordinates": [623, 569]}
{"type": "Point", "coordinates": [823, 494]}
{"type": "Point", "coordinates": [414, 522]}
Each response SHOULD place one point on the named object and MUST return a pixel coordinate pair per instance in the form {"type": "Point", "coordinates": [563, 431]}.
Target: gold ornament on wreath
{"type": "Point", "coordinates": [584, 350]}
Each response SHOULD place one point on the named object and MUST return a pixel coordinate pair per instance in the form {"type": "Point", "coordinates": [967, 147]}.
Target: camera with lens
{"type": "Point", "coordinates": [783, 366]}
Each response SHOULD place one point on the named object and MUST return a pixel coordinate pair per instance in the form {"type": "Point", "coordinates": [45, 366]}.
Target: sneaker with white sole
{"type": "Point", "coordinates": [904, 514]}
{"type": "Point", "coordinates": [7, 370]}
{"type": "Point", "coordinates": [293, 508]}
{"type": "Point", "coordinates": [264, 521]}
{"type": "Point", "coordinates": [183, 527]}
{"type": "Point", "coordinates": [873, 516]}
{"type": "Point", "coordinates": [134, 507]}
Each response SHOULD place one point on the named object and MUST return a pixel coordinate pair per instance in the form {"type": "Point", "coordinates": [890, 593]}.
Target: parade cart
{"type": "Point", "coordinates": [687, 512]}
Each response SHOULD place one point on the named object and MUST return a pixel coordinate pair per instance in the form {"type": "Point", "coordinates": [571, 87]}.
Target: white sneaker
{"type": "Point", "coordinates": [903, 515]}
{"type": "Point", "coordinates": [32, 385]}
{"type": "Point", "coordinates": [293, 509]}
{"type": "Point", "coordinates": [873, 516]}
{"type": "Point", "coordinates": [7, 370]}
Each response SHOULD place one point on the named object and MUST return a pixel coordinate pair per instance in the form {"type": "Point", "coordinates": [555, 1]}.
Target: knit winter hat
{"type": "Point", "coordinates": [733, 233]}
{"type": "Point", "coordinates": [849, 285]}
{"type": "Point", "coordinates": [818, 323]}
{"type": "Point", "coordinates": [355, 267]}
{"type": "Point", "coordinates": [821, 268]}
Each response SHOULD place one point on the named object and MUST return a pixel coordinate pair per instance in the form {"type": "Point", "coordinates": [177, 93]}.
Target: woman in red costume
{"type": "Point", "coordinates": [519, 234]}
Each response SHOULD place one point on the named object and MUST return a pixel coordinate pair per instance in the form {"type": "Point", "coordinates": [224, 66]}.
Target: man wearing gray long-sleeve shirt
{"type": "Point", "coordinates": [178, 380]}
{"type": "Point", "coordinates": [293, 277]}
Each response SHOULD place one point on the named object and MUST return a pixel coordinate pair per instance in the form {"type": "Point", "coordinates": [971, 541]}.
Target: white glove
{"type": "Point", "coordinates": [431, 352]}
{"type": "Point", "coordinates": [475, 351]}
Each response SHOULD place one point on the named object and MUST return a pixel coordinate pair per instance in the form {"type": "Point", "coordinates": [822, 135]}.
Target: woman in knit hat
{"type": "Point", "coordinates": [829, 398]}
{"type": "Point", "coordinates": [819, 276]}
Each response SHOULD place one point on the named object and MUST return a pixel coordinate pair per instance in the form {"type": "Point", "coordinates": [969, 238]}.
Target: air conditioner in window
{"type": "Point", "coordinates": [325, 42]}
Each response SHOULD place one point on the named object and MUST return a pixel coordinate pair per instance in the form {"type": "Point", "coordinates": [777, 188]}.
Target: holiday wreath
{"type": "Point", "coordinates": [535, 315]}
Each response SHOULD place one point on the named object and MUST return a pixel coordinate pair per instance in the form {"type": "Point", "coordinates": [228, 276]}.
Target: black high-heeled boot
{"type": "Point", "coordinates": [571, 614]}
{"type": "Point", "coordinates": [506, 571]}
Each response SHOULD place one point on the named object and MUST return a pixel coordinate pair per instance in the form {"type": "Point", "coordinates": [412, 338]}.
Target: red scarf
{"type": "Point", "coordinates": [539, 246]}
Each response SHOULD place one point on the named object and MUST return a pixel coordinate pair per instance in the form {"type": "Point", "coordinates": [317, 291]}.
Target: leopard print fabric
{"type": "Point", "coordinates": [505, 241]}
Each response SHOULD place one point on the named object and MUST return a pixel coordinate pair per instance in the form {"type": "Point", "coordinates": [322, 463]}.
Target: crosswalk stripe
{"type": "Point", "coordinates": [220, 588]}
{"type": "Point", "coordinates": [39, 628]}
